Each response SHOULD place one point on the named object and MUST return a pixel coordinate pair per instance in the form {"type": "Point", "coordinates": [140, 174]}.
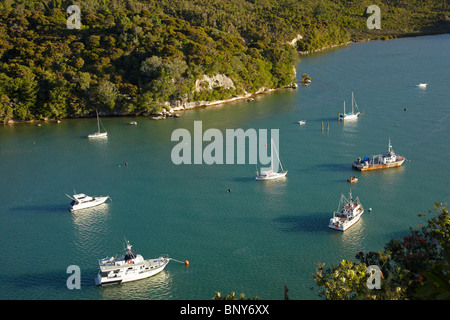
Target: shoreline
{"type": "Point", "coordinates": [161, 115]}
{"type": "Point", "coordinates": [386, 38]}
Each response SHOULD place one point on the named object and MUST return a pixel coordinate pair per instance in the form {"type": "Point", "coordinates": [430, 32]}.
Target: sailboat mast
{"type": "Point", "coordinates": [278, 156]}
{"type": "Point", "coordinates": [352, 102]}
{"type": "Point", "coordinates": [271, 154]}
{"type": "Point", "coordinates": [98, 121]}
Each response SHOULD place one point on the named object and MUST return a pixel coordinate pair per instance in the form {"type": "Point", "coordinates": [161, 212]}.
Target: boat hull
{"type": "Point", "coordinates": [347, 117]}
{"type": "Point", "coordinates": [271, 176]}
{"type": "Point", "coordinates": [98, 135]}
{"type": "Point", "coordinates": [370, 167]}
{"type": "Point", "coordinates": [335, 225]}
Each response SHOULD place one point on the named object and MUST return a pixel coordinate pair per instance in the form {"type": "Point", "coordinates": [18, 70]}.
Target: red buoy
{"type": "Point", "coordinates": [186, 263]}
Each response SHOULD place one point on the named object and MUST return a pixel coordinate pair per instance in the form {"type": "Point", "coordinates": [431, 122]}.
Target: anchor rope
{"type": "Point", "coordinates": [176, 260]}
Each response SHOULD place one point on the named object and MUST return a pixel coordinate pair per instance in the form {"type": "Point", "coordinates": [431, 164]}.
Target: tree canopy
{"type": "Point", "coordinates": [131, 57]}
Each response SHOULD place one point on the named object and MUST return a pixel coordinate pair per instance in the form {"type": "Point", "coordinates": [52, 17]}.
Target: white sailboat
{"type": "Point", "coordinates": [98, 134]}
{"type": "Point", "coordinates": [351, 115]}
{"type": "Point", "coordinates": [271, 174]}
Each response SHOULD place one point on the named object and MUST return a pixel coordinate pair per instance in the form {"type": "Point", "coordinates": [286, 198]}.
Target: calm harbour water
{"type": "Point", "coordinates": [260, 236]}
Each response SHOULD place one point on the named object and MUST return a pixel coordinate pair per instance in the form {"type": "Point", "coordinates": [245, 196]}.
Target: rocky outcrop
{"type": "Point", "coordinates": [294, 41]}
{"type": "Point", "coordinates": [177, 105]}
{"type": "Point", "coordinates": [214, 82]}
{"type": "Point", "coordinates": [211, 83]}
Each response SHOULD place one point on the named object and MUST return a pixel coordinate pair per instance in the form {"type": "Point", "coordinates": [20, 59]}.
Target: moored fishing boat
{"type": "Point", "coordinates": [388, 160]}
{"type": "Point", "coordinates": [348, 213]}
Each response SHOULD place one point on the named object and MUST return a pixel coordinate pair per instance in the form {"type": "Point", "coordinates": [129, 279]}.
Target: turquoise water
{"type": "Point", "coordinates": [260, 236]}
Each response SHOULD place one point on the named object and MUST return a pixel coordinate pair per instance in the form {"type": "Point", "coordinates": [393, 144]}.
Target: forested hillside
{"type": "Point", "coordinates": [132, 56]}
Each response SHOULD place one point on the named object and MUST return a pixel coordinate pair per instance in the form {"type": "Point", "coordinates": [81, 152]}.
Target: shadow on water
{"type": "Point", "coordinates": [63, 208]}
{"type": "Point", "coordinates": [342, 167]}
{"type": "Point", "coordinates": [327, 119]}
{"type": "Point", "coordinates": [313, 222]}
{"type": "Point", "coordinates": [52, 282]}
{"type": "Point", "coordinates": [43, 279]}
{"type": "Point", "coordinates": [155, 288]}
{"type": "Point", "coordinates": [244, 179]}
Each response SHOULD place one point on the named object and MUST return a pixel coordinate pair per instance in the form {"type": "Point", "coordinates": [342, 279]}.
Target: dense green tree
{"type": "Point", "coordinates": [106, 94]}
{"type": "Point", "coordinates": [232, 296]}
{"type": "Point", "coordinates": [126, 49]}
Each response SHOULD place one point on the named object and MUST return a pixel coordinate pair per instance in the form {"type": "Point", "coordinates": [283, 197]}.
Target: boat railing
{"type": "Point", "coordinates": [106, 261]}
{"type": "Point", "coordinates": [164, 256]}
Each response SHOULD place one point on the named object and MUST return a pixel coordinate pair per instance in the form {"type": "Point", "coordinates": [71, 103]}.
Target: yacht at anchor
{"type": "Point", "coordinates": [82, 201]}
{"type": "Point", "coordinates": [130, 267]}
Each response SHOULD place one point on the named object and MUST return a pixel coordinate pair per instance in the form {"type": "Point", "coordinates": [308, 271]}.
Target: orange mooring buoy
{"type": "Point", "coordinates": [186, 263]}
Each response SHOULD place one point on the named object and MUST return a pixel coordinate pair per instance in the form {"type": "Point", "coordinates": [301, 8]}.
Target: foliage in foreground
{"type": "Point", "coordinates": [242, 296]}
{"type": "Point", "coordinates": [414, 267]}
{"type": "Point", "coordinates": [232, 296]}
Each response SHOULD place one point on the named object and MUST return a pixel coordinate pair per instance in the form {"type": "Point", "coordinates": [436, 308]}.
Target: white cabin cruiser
{"type": "Point", "coordinates": [347, 216]}
{"type": "Point", "coordinates": [82, 201]}
{"type": "Point", "coordinates": [130, 267]}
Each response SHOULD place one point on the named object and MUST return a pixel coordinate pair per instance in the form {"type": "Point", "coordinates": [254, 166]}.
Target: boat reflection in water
{"type": "Point", "coordinates": [157, 287]}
